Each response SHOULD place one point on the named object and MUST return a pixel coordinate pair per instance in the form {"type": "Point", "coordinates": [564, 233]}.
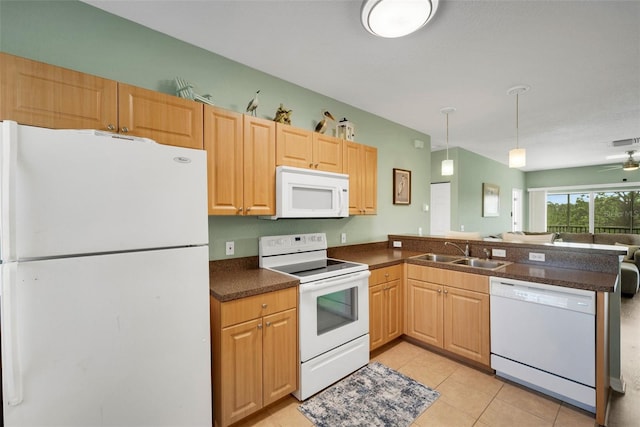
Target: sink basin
{"type": "Point", "coordinates": [480, 263]}
{"type": "Point", "coordinates": [438, 257]}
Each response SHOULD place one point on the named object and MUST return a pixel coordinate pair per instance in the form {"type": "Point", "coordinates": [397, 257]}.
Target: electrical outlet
{"type": "Point", "coordinates": [230, 248]}
{"type": "Point", "coordinates": [343, 238]}
{"type": "Point", "coordinates": [502, 253]}
{"type": "Point", "coordinates": [397, 243]}
{"type": "Point", "coordinates": [536, 256]}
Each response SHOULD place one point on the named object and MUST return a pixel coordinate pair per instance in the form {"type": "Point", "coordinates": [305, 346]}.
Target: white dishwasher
{"type": "Point", "coordinates": [543, 337]}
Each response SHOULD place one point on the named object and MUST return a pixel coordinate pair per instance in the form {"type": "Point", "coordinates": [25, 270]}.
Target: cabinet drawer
{"type": "Point", "coordinates": [428, 274]}
{"type": "Point", "coordinates": [453, 278]}
{"type": "Point", "coordinates": [248, 308]}
{"type": "Point", "coordinates": [386, 274]}
{"type": "Point", "coordinates": [469, 281]}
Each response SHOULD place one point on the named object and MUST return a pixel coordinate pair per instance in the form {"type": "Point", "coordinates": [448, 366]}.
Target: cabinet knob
{"type": "Point", "coordinates": [386, 275]}
{"type": "Point", "coordinates": [446, 291]}
{"type": "Point", "coordinates": [239, 210]}
{"type": "Point", "coordinates": [310, 165]}
{"type": "Point", "coordinates": [248, 209]}
{"type": "Point", "coordinates": [264, 305]}
{"type": "Point", "coordinates": [439, 290]}
{"type": "Point", "coordinates": [111, 127]}
{"type": "Point", "coordinates": [268, 324]}
{"type": "Point", "coordinates": [124, 129]}
{"type": "Point", "coordinates": [317, 164]}
{"type": "Point", "coordinates": [259, 325]}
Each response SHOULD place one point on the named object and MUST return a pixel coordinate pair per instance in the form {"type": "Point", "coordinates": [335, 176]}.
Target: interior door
{"type": "Point", "coordinates": [440, 208]}
{"type": "Point", "coordinates": [516, 209]}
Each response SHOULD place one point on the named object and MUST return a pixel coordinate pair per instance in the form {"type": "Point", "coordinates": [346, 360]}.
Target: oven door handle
{"type": "Point", "coordinates": [334, 281]}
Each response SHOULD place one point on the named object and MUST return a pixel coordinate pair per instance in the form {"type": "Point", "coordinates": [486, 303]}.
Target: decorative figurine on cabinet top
{"type": "Point", "coordinates": [346, 130]}
{"type": "Point", "coordinates": [283, 115]}
{"type": "Point", "coordinates": [322, 124]}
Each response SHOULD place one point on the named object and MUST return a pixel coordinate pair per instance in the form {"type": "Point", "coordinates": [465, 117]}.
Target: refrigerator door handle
{"type": "Point", "coordinates": [10, 356]}
{"type": "Point", "coordinates": [8, 169]}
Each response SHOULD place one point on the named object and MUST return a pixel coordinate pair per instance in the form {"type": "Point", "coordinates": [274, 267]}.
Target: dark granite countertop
{"type": "Point", "coordinates": [239, 278]}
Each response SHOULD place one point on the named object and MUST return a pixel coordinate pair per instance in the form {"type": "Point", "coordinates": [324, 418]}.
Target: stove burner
{"type": "Point", "coordinates": [311, 268]}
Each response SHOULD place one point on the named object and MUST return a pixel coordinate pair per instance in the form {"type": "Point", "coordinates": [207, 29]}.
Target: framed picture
{"type": "Point", "coordinates": [401, 187]}
{"type": "Point", "coordinates": [490, 199]}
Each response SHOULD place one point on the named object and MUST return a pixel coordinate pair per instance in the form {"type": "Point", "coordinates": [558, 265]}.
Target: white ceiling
{"type": "Point", "coordinates": [581, 59]}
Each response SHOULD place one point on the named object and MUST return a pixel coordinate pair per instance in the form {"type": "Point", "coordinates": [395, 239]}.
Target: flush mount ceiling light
{"type": "Point", "coordinates": [447, 165]}
{"type": "Point", "coordinates": [517, 156]}
{"type": "Point", "coordinates": [396, 18]}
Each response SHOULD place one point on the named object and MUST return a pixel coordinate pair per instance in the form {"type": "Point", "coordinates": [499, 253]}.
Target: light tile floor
{"type": "Point", "coordinates": [468, 397]}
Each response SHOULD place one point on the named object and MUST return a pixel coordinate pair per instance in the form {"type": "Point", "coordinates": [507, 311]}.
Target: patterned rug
{"type": "Point", "coordinates": [375, 395]}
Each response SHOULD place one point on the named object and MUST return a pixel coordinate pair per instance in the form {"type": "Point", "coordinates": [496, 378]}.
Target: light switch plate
{"type": "Point", "coordinates": [502, 253]}
{"type": "Point", "coordinates": [397, 243]}
{"type": "Point", "coordinates": [536, 256]}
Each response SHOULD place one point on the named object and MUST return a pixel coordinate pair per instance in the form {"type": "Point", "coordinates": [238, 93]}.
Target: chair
{"type": "Point", "coordinates": [184, 89]}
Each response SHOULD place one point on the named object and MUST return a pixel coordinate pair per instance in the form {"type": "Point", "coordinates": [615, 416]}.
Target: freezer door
{"type": "Point", "coordinates": [71, 192]}
{"type": "Point", "coordinates": [119, 340]}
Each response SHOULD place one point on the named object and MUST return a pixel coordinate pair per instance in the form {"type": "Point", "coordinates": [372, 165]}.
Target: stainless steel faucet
{"type": "Point", "coordinates": [464, 251]}
{"type": "Point", "coordinates": [487, 253]}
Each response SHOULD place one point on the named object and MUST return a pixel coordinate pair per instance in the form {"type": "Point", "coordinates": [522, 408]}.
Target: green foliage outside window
{"type": "Point", "coordinates": [614, 212]}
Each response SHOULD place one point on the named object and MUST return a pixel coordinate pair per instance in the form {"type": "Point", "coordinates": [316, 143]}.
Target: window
{"type": "Point", "coordinates": [568, 212]}
{"type": "Point", "coordinates": [594, 212]}
{"type": "Point", "coordinates": [617, 212]}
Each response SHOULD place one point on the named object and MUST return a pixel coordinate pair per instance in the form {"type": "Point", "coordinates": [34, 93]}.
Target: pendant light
{"type": "Point", "coordinates": [517, 156]}
{"type": "Point", "coordinates": [396, 18]}
{"type": "Point", "coordinates": [447, 165]}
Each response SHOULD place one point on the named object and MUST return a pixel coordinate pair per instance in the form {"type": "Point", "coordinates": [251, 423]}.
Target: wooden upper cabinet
{"type": "Point", "coordinates": [360, 162]}
{"type": "Point", "coordinates": [241, 163]}
{"type": "Point", "coordinates": [164, 118]}
{"type": "Point", "coordinates": [38, 94]}
{"type": "Point", "coordinates": [223, 142]}
{"type": "Point", "coordinates": [306, 149]}
{"type": "Point", "coordinates": [327, 153]}
{"type": "Point", "coordinates": [294, 146]}
{"type": "Point", "coordinates": [259, 166]}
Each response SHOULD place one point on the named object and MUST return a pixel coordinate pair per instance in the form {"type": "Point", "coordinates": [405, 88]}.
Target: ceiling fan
{"type": "Point", "coordinates": [630, 164]}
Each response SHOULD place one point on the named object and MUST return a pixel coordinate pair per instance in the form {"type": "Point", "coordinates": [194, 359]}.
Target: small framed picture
{"type": "Point", "coordinates": [490, 199]}
{"type": "Point", "coordinates": [401, 187]}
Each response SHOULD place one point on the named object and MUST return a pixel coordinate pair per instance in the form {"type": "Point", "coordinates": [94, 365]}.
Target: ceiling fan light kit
{"type": "Point", "coordinates": [447, 165]}
{"type": "Point", "coordinates": [396, 18]}
{"type": "Point", "coordinates": [518, 156]}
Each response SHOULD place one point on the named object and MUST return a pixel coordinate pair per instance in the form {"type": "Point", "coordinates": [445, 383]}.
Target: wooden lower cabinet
{"type": "Point", "coordinates": [385, 305]}
{"type": "Point", "coordinates": [450, 310]}
{"type": "Point", "coordinates": [254, 353]}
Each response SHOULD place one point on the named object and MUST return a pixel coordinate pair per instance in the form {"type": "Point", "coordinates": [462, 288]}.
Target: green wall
{"type": "Point", "coordinates": [586, 175]}
{"type": "Point", "coordinates": [75, 35]}
{"type": "Point", "coordinates": [470, 172]}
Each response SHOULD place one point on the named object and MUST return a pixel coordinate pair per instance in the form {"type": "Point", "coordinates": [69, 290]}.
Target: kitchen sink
{"type": "Point", "coordinates": [480, 263]}
{"type": "Point", "coordinates": [438, 258]}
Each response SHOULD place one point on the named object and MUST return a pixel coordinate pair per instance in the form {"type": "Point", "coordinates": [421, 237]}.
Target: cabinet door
{"type": "Point", "coordinates": [164, 118]}
{"type": "Point", "coordinates": [327, 153]}
{"type": "Point", "coordinates": [370, 180]}
{"type": "Point", "coordinates": [38, 94]}
{"type": "Point", "coordinates": [241, 370]}
{"type": "Point", "coordinates": [424, 312]}
{"type": "Point", "coordinates": [376, 316]}
{"type": "Point", "coordinates": [280, 355]}
{"type": "Point", "coordinates": [223, 142]}
{"type": "Point", "coordinates": [294, 146]}
{"type": "Point", "coordinates": [259, 166]}
{"type": "Point", "coordinates": [352, 165]}
{"type": "Point", "coordinates": [466, 324]}
{"type": "Point", "coordinates": [393, 306]}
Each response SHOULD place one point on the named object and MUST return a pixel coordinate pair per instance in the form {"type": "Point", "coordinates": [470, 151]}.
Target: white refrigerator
{"type": "Point", "coordinates": [105, 280]}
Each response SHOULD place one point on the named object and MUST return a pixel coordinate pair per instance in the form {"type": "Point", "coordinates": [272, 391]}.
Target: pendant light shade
{"type": "Point", "coordinates": [447, 165]}
{"type": "Point", "coordinates": [517, 156]}
{"type": "Point", "coordinates": [396, 18]}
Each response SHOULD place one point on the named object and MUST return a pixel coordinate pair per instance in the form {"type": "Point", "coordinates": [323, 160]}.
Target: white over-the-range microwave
{"type": "Point", "coordinates": [309, 193]}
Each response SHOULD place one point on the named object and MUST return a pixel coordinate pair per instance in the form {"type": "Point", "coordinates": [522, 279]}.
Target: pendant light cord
{"type": "Point", "coordinates": [447, 136]}
{"type": "Point", "coordinates": [517, 119]}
